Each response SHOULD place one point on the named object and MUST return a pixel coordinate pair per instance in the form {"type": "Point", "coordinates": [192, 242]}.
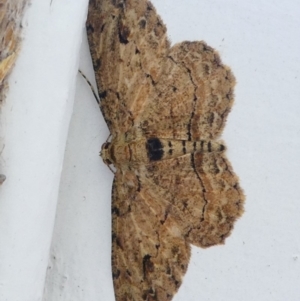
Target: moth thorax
{"type": "Point", "coordinates": [116, 153]}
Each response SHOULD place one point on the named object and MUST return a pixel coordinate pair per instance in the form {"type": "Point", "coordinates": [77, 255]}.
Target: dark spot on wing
{"type": "Point", "coordinates": [89, 28]}
{"type": "Point", "coordinates": [102, 94]}
{"type": "Point", "coordinates": [148, 266]}
{"type": "Point", "coordinates": [124, 33]}
{"type": "Point", "coordinates": [115, 211]}
{"type": "Point", "coordinates": [211, 118]}
{"type": "Point", "coordinates": [142, 24]}
{"type": "Point", "coordinates": [97, 64]}
{"type": "Point", "coordinates": [116, 274]}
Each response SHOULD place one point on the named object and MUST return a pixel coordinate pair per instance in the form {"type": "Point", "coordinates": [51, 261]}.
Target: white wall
{"type": "Point", "coordinates": [34, 121]}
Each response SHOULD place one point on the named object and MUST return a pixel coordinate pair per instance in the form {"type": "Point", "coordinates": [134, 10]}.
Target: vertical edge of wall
{"type": "Point", "coordinates": [34, 125]}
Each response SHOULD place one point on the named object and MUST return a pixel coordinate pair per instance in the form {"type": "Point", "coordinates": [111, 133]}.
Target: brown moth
{"type": "Point", "coordinates": [165, 106]}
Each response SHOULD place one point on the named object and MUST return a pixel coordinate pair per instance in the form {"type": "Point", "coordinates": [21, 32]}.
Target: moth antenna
{"type": "Point", "coordinates": [91, 86]}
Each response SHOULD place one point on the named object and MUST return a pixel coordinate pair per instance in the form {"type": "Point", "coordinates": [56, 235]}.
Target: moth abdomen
{"type": "Point", "coordinates": [155, 149]}
{"type": "Point", "coordinates": [161, 149]}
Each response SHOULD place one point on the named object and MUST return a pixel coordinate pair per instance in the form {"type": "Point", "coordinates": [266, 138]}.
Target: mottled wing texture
{"type": "Point", "coordinates": [193, 96]}
{"type": "Point", "coordinates": [150, 89]}
{"type": "Point", "coordinates": [161, 208]}
{"type": "Point", "coordinates": [149, 256]}
{"type": "Point", "coordinates": [179, 92]}
{"type": "Point", "coordinates": [128, 44]}
{"type": "Point", "coordinates": [202, 192]}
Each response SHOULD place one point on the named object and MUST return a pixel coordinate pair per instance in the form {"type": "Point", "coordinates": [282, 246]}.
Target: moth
{"type": "Point", "coordinates": [165, 107]}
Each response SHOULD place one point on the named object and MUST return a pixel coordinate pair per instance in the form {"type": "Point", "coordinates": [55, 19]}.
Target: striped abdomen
{"type": "Point", "coordinates": [146, 150]}
{"type": "Point", "coordinates": [161, 149]}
